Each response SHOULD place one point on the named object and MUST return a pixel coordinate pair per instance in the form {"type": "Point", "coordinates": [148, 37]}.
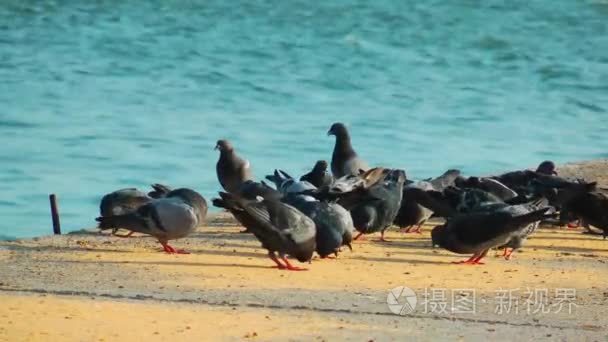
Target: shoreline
{"type": "Point", "coordinates": [91, 286]}
{"type": "Point", "coordinates": [596, 169]}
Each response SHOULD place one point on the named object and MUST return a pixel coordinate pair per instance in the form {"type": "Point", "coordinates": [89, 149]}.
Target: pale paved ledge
{"type": "Point", "coordinates": [102, 288]}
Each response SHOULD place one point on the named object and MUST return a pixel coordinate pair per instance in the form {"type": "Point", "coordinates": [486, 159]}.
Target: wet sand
{"type": "Point", "coordinates": [96, 287]}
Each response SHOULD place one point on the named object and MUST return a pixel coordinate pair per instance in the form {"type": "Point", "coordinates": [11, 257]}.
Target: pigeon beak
{"type": "Point", "coordinates": [554, 172]}
{"type": "Point", "coordinates": [330, 132]}
{"type": "Point", "coordinates": [217, 147]}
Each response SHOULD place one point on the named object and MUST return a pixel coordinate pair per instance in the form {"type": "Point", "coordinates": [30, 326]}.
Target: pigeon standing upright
{"type": "Point", "coordinates": [344, 160]}
{"type": "Point", "coordinates": [171, 217]}
{"type": "Point", "coordinates": [232, 170]}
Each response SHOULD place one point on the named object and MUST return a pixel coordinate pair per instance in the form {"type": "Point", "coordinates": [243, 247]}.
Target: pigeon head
{"type": "Point", "coordinates": [547, 168]}
{"type": "Point", "coordinates": [338, 129]}
{"type": "Point", "coordinates": [224, 146]}
{"type": "Point", "coordinates": [320, 166]}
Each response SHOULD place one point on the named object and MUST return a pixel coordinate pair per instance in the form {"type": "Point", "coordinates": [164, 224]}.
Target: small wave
{"type": "Point", "coordinates": [492, 43]}
{"type": "Point", "coordinates": [16, 124]}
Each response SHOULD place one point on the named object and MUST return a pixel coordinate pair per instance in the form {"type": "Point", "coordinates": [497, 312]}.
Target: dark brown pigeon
{"type": "Point", "coordinates": [344, 160]}
{"type": "Point", "coordinates": [232, 170]}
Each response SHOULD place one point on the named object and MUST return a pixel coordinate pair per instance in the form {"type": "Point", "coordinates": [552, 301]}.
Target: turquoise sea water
{"type": "Point", "coordinates": [111, 94]}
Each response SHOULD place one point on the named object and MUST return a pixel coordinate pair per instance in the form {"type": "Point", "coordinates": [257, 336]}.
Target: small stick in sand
{"type": "Point", "coordinates": [55, 214]}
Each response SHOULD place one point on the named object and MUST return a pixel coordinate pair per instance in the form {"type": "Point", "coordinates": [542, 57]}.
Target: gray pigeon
{"type": "Point", "coordinates": [518, 238]}
{"type": "Point", "coordinates": [411, 213]}
{"type": "Point", "coordinates": [232, 170]}
{"type": "Point", "coordinates": [122, 201]}
{"type": "Point", "coordinates": [334, 223]}
{"type": "Point", "coordinates": [374, 209]}
{"type": "Point", "coordinates": [344, 160]}
{"type": "Point", "coordinates": [127, 200]}
{"type": "Point", "coordinates": [479, 231]}
{"type": "Point", "coordinates": [168, 218]}
{"type": "Point", "coordinates": [280, 227]}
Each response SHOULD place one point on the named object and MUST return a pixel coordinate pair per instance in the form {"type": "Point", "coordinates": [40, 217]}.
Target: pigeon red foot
{"type": "Point", "coordinates": [170, 250]}
{"type": "Point", "coordinates": [409, 229]}
{"type": "Point", "coordinates": [290, 267]}
{"type": "Point", "coordinates": [473, 260]}
{"type": "Point", "coordinates": [360, 237]}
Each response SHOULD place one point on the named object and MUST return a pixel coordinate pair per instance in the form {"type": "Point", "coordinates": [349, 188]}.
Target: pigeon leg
{"type": "Point", "coordinates": [418, 229]}
{"type": "Point", "coordinates": [382, 237]}
{"type": "Point", "coordinates": [405, 230]}
{"type": "Point", "coordinates": [170, 250]}
{"type": "Point", "coordinates": [468, 261]}
{"type": "Point", "coordinates": [508, 255]}
{"type": "Point", "coordinates": [358, 236]}
{"type": "Point", "coordinates": [290, 267]}
{"type": "Point", "coordinates": [481, 256]}
{"type": "Point", "coordinates": [473, 260]}
{"type": "Point", "coordinates": [506, 252]}
{"type": "Point", "coordinates": [274, 258]}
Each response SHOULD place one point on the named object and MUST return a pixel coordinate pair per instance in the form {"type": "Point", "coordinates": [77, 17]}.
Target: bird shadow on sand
{"type": "Point", "coordinates": [223, 236]}
{"type": "Point", "coordinates": [159, 263]}
{"type": "Point", "coordinates": [75, 248]}
{"type": "Point", "coordinates": [570, 249]}
{"type": "Point", "coordinates": [582, 237]}
{"type": "Point", "coordinates": [397, 260]}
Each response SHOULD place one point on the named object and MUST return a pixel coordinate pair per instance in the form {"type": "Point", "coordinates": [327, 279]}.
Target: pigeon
{"type": "Point", "coordinates": [491, 185]}
{"type": "Point", "coordinates": [546, 168]}
{"type": "Point", "coordinates": [411, 213]}
{"type": "Point", "coordinates": [319, 176]}
{"type": "Point", "coordinates": [124, 201]}
{"type": "Point", "coordinates": [587, 203]}
{"type": "Point", "coordinates": [286, 184]}
{"type": "Point", "coordinates": [518, 239]}
{"type": "Point", "coordinates": [344, 160]}
{"type": "Point", "coordinates": [280, 227]}
{"type": "Point", "coordinates": [333, 223]}
{"type": "Point", "coordinates": [252, 190]}
{"type": "Point", "coordinates": [479, 231]}
{"type": "Point", "coordinates": [374, 209]}
{"type": "Point", "coordinates": [232, 170]}
{"type": "Point", "coordinates": [159, 190]}
{"type": "Point", "coordinates": [171, 217]}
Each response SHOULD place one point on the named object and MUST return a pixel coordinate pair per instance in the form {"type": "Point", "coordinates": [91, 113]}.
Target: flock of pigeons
{"type": "Point", "coordinates": [322, 212]}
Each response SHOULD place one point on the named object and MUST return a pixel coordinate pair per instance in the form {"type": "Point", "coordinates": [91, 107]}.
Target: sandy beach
{"type": "Point", "coordinates": [95, 287]}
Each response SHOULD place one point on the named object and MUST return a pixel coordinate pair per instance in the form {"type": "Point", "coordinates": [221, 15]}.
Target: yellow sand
{"type": "Point", "coordinates": [105, 288]}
